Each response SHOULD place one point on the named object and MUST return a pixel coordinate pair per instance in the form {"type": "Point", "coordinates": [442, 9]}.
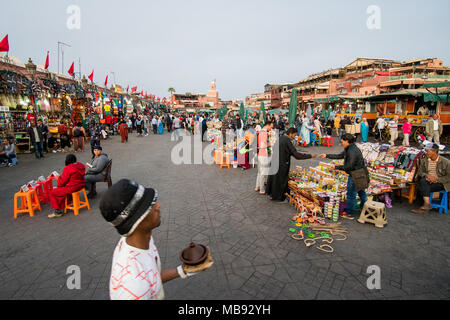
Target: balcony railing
{"type": "Point", "coordinates": [419, 76]}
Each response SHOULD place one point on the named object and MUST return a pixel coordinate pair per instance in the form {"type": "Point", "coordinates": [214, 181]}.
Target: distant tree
{"type": "Point", "coordinates": [171, 90]}
{"type": "Point", "coordinates": [207, 105]}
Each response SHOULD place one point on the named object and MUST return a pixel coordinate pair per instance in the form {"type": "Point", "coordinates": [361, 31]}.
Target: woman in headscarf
{"type": "Point", "coordinates": [318, 127]}
{"type": "Point", "coordinates": [160, 126]}
{"type": "Point", "coordinates": [306, 132]}
{"type": "Point", "coordinates": [364, 130]}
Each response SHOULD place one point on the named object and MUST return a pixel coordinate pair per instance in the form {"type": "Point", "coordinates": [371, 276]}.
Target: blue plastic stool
{"type": "Point", "coordinates": [314, 139]}
{"type": "Point", "coordinates": [442, 203]}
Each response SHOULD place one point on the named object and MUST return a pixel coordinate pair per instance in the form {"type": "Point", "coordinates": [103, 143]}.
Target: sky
{"type": "Point", "coordinates": [242, 44]}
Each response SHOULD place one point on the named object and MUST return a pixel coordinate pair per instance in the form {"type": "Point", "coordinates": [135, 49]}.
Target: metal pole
{"type": "Point", "coordinates": [114, 76]}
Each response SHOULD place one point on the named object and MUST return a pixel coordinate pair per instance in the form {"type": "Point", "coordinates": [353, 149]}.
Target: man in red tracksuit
{"type": "Point", "coordinates": [71, 180]}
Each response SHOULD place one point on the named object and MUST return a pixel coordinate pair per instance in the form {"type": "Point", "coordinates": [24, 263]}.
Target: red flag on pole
{"type": "Point", "coordinates": [133, 89]}
{"type": "Point", "coordinates": [46, 62]}
{"type": "Point", "coordinates": [91, 76]}
{"type": "Point", "coordinates": [142, 93]}
{"type": "Point", "coordinates": [71, 70]}
{"type": "Point", "coordinates": [106, 81]}
{"type": "Point", "coordinates": [128, 87]}
{"type": "Point", "coordinates": [4, 44]}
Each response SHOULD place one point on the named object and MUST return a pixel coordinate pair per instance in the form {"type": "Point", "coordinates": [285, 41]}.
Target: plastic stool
{"type": "Point", "coordinates": [218, 154]}
{"type": "Point", "coordinates": [374, 212]}
{"type": "Point", "coordinates": [442, 203]}
{"type": "Point", "coordinates": [314, 139]}
{"type": "Point", "coordinates": [29, 202]}
{"type": "Point", "coordinates": [42, 193]}
{"type": "Point", "coordinates": [77, 204]}
{"type": "Point", "coordinates": [328, 141]}
{"type": "Point", "coordinates": [225, 161]}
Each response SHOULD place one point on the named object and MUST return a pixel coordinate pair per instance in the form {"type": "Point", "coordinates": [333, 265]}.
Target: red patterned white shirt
{"type": "Point", "coordinates": [136, 273]}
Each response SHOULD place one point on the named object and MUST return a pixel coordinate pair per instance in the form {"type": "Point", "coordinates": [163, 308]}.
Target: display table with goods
{"type": "Point", "coordinates": [318, 194]}
{"type": "Point", "coordinates": [19, 120]}
{"type": "Point", "coordinates": [321, 191]}
{"type": "Point", "coordinates": [391, 168]}
{"type": "Point", "coordinates": [6, 125]}
{"type": "Point", "coordinates": [214, 131]}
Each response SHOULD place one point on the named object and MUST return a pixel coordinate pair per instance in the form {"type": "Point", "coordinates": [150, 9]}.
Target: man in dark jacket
{"type": "Point", "coordinates": [204, 127]}
{"type": "Point", "coordinates": [353, 160]}
{"type": "Point", "coordinates": [37, 139]}
{"type": "Point", "coordinates": [96, 172]}
{"type": "Point", "coordinates": [277, 185]}
{"type": "Point", "coordinates": [45, 131]}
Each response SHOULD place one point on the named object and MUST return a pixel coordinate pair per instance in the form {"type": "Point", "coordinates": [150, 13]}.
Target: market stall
{"type": "Point", "coordinates": [323, 189]}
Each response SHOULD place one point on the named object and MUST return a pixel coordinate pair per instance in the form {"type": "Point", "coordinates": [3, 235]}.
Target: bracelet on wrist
{"type": "Point", "coordinates": [181, 272]}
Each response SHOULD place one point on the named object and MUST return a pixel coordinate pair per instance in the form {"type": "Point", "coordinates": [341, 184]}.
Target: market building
{"type": "Point", "coordinates": [29, 92]}
{"type": "Point", "coordinates": [191, 102]}
{"type": "Point", "coordinates": [255, 100]}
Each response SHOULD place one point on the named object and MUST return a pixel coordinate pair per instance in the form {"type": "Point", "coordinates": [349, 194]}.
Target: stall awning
{"type": "Point", "coordinates": [329, 99]}
{"type": "Point", "coordinates": [444, 84]}
{"type": "Point", "coordinates": [278, 111]}
{"type": "Point", "coordinates": [430, 97]}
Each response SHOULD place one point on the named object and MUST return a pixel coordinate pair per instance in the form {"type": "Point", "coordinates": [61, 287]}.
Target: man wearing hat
{"type": "Point", "coordinates": [97, 171]}
{"type": "Point", "coordinates": [136, 266]}
{"type": "Point", "coordinates": [433, 174]}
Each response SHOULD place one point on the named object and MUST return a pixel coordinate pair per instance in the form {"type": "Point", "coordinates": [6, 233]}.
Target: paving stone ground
{"type": "Point", "coordinates": [255, 258]}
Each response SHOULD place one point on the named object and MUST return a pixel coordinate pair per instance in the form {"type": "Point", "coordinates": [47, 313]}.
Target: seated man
{"type": "Point", "coordinates": [71, 180]}
{"type": "Point", "coordinates": [8, 153]}
{"type": "Point", "coordinates": [97, 171]}
{"type": "Point", "coordinates": [434, 176]}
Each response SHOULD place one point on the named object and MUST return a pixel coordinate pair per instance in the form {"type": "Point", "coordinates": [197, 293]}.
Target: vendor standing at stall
{"type": "Point", "coordinates": [355, 167]}
{"type": "Point", "coordinates": [277, 184]}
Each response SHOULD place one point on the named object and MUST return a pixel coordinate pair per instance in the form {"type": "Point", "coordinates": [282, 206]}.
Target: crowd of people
{"type": "Point", "coordinates": [134, 209]}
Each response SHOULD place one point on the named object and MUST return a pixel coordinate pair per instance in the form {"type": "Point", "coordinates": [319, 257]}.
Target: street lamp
{"type": "Point", "coordinates": [31, 69]}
